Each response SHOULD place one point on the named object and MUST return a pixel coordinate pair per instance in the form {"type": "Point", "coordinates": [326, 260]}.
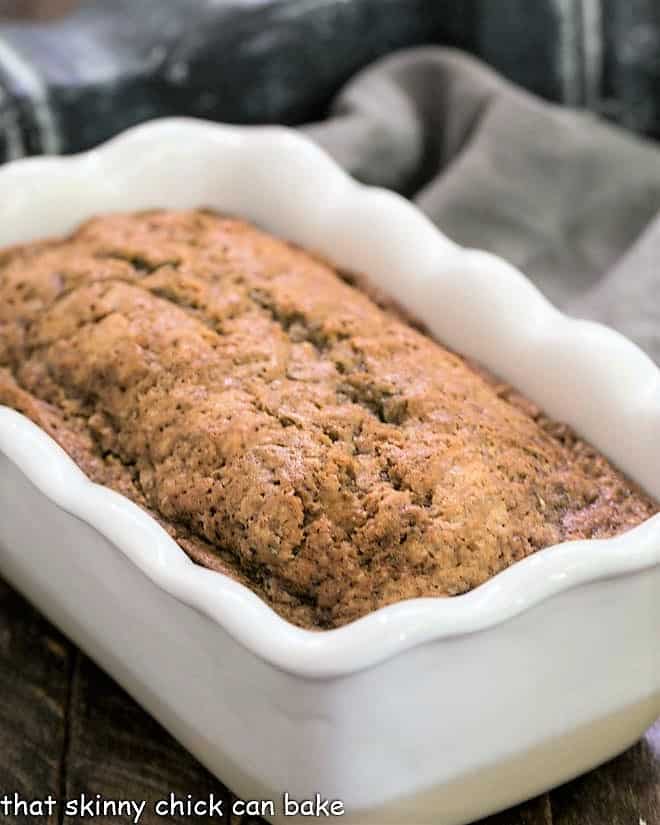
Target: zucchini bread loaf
{"type": "Point", "coordinates": [284, 428]}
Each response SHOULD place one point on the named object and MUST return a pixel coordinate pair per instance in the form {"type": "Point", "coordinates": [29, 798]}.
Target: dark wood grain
{"type": "Point", "coordinates": [626, 790]}
{"type": "Point", "coordinates": [119, 751]}
{"type": "Point", "coordinates": [35, 673]}
{"type": "Point", "coordinates": [67, 729]}
{"type": "Point", "coordinates": [535, 812]}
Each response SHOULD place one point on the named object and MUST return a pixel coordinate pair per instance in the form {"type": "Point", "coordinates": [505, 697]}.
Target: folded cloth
{"type": "Point", "coordinates": [557, 192]}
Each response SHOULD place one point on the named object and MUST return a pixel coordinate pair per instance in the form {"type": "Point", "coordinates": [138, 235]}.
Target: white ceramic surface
{"type": "Point", "coordinates": [428, 711]}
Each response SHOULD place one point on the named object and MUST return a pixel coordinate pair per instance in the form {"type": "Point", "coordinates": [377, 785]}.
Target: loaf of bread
{"type": "Point", "coordinates": [284, 428]}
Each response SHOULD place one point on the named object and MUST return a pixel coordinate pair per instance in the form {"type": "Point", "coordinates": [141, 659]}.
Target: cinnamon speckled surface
{"type": "Point", "coordinates": [282, 426]}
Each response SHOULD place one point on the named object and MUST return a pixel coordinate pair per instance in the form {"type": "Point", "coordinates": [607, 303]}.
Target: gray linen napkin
{"type": "Point", "coordinates": [557, 192]}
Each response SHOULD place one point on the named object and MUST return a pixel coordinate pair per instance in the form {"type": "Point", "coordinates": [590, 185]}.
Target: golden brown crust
{"type": "Point", "coordinates": [282, 426]}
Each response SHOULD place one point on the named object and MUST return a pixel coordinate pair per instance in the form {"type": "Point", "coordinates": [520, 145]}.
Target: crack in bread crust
{"type": "Point", "coordinates": [286, 427]}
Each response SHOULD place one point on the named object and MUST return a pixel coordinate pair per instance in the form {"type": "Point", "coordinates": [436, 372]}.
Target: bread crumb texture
{"type": "Point", "coordinates": [282, 426]}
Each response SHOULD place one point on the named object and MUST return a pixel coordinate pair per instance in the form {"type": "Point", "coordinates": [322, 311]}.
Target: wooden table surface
{"type": "Point", "coordinates": [67, 729]}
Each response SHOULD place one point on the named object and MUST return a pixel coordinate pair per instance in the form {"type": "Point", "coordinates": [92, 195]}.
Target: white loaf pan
{"type": "Point", "coordinates": [428, 711]}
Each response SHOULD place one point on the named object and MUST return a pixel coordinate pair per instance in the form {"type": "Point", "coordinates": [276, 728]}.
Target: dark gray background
{"type": "Point", "coordinates": [107, 65]}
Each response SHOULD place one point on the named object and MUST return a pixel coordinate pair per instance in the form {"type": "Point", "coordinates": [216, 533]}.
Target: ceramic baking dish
{"type": "Point", "coordinates": [428, 711]}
